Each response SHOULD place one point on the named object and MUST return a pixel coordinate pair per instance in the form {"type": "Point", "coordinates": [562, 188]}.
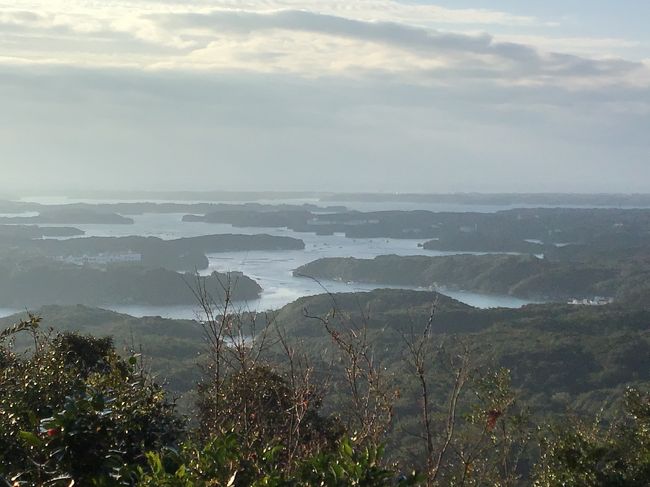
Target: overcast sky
{"type": "Point", "coordinates": [343, 95]}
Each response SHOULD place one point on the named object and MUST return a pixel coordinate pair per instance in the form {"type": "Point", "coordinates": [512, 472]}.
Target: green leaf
{"type": "Point", "coordinates": [31, 438]}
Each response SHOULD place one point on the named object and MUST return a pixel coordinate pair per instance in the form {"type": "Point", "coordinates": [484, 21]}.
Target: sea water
{"type": "Point", "coordinates": [8, 312]}
{"type": "Point", "coordinates": [273, 269]}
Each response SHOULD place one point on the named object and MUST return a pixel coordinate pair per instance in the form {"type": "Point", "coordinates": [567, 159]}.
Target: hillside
{"type": "Point", "coordinates": [559, 355]}
{"type": "Point", "coordinates": [523, 276]}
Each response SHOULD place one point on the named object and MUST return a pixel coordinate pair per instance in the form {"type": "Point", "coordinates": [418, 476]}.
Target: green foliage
{"type": "Point", "coordinates": [580, 453]}
{"type": "Point", "coordinates": [222, 461]}
{"type": "Point", "coordinates": [261, 409]}
{"type": "Point", "coordinates": [559, 355]}
{"type": "Point", "coordinates": [349, 465]}
{"type": "Point", "coordinates": [73, 409]}
{"type": "Point", "coordinates": [171, 347]}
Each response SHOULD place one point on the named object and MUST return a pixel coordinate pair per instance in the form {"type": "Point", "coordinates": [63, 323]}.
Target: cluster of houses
{"type": "Point", "coordinates": [102, 259]}
{"type": "Point", "coordinates": [595, 301]}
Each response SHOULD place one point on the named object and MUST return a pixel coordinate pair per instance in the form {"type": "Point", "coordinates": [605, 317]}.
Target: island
{"type": "Point", "coordinates": [38, 283]}
{"type": "Point", "coordinates": [532, 230]}
{"type": "Point", "coordinates": [63, 215]}
{"type": "Point", "coordinates": [524, 276]}
{"type": "Point", "coordinates": [17, 233]}
{"type": "Point", "coordinates": [184, 254]}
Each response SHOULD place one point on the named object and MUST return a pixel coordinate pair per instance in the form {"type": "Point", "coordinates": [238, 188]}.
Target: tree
{"type": "Point", "coordinates": [594, 453]}
{"type": "Point", "coordinates": [72, 409]}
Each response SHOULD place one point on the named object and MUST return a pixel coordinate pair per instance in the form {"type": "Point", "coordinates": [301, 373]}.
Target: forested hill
{"type": "Point", "coordinates": [559, 355]}
{"type": "Point", "coordinates": [524, 276]}
{"type": "Point", "coordinates": [558, 358]}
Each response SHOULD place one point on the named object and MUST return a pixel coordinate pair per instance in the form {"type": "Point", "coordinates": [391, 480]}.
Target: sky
{"type": "Point", "coordinates": [342, 95]}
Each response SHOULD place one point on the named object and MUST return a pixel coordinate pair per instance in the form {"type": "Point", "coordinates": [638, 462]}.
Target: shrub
{"type": "Point", "coordinates": [74, 410]}
{"type": "Point", "coordinates": [581, 453]}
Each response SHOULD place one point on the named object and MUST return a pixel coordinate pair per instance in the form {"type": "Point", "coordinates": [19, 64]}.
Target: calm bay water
{"type": "Point", "coordinates": [273, 270]}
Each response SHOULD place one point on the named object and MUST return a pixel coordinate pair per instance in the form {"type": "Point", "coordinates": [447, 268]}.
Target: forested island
{"type": "Point", "coordinates": [519, 230]}
{"type": "Point", "coordinates": [40, 283]}
{"type": "Point", "coordinates": [15, 211]}
{"type": "Point", "coordinates": [65, 215]}
{"type": "Point", "coordinates": [529, 230]}
{"type": "Point", "coordinates": [118, 270]}
{"type": "Point", "coordinates": [12, 234]}
{"type": "Point", "coordinates": [184, 254]}
{"type": "Point", "coordinates": [524, 276]}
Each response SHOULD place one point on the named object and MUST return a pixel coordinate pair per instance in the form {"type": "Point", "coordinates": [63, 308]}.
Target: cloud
{"type": "Point", "coordinates": [322, 39]}
{"type": "Point", "coordinates": [482, 53]}
{"type": "Point", "coordinates": [127, 127]}
{"type": "Point", "coordinates": [319, 95]}
{"type": "Point", "coordinates": [406, 12]}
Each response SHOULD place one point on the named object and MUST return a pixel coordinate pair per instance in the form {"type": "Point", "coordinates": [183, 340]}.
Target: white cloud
{"type": "Point", "coordinates": [353, 41]}
{"type": "Point", "coordinates": [315, 90]}
{"type": "Point", "coordinates": [255, 36]}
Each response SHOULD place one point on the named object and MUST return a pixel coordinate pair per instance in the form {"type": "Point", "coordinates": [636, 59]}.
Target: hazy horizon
{"type": "Point", "coordinates": [252, 195]}
{"type": "Point", "coordinates": [289, 95]}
